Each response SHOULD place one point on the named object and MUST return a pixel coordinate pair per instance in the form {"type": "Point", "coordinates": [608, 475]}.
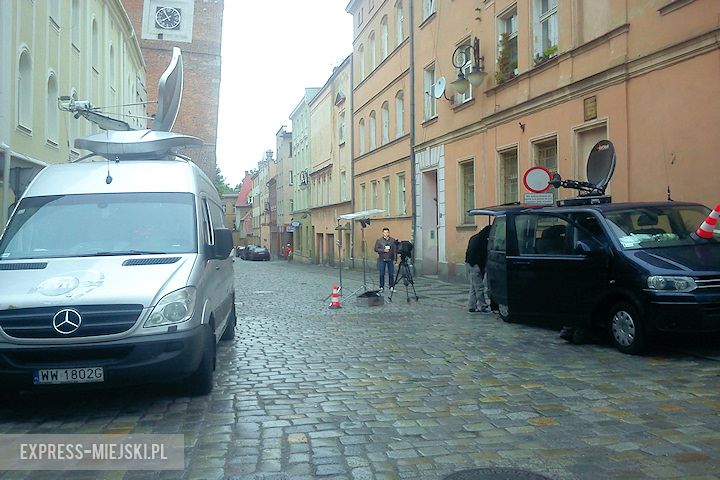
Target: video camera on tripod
{"type": "Point", "coordinates": [404, 249]}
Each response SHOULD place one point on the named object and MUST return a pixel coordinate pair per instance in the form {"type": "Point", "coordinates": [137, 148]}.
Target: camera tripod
{"type": "Point", "coordinates": [405, 274]}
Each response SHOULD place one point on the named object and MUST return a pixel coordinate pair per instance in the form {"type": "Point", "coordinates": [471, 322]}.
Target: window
{"type": "Point", "coordinates": [361, 62]}
{"type": "Point", "coordinates": [399, 114]}
{"type": "Point", "coordinates": [24, 89]}
{"type": "Point", "coordinates": [291, 177]}
{"type": "Point", "coordinates": [430, 102]}
{"type": "Point", "coordinates": [383, 38]}
{"type": "Point", "coordinates": [341, 127]}
{"type": "Point", "coordinates": [51, 113]}
{"type": "Point", "coordinates": [508, 176]}
{"type": "Point", "coordinates": [399, 20]}
{"type": "Point", "coordinates": [507, 59]}
{"type": "Point", "coordinates": [401, 199]}
{"type": "Point", "coordinates": [542, 235]}
{"type": "Point", "coordinates": [95, 46]}
{"type": "Point", "coordinates": [361, 134]}
{"type": "Point", "coordinates": [292, 205]}
{"type": "Point", "coordinates": [343, 186]}
{"type": "Point", "coordinates": [373, 130]}
{"type": "Point", "coordinates": [545, 37]}
{"type": "Point", "coordinates": [546, 156]}
{"type": "Point", "coordinates": [54, 12]}
{"type": "Point", "coordinates": [373, 194]}
{"type": "Point", "coordinates": [111, 69]}
{"type": "Point", "coordinates": [363, 197]}
{"type": "Point", "coordinates": [466, 69]}
{"type": "Point", "coordinates": [467, 194]}
{"type": "Point", "coordinates": [386, 196]}
{"type": "Point", "coordinates": [373, 51]}
{"type": "Point", "coordinates": [75, 27]}
{"type": "Point", "coordinates": [428, 8]}
{"type": "Point", "coordinates": [385, 123]}
{"type": "Point", "coordinates": [359, 17]}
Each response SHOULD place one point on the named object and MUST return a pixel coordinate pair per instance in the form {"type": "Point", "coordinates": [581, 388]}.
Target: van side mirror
{"type": "Point", "coordinates": [223, 244]}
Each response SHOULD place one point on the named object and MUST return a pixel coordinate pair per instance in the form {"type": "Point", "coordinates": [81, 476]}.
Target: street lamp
{"type": "Point", "coordinates": [460, 59]}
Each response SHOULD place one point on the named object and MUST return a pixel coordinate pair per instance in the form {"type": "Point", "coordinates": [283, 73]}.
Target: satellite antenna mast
{"type": "Point", "coordinates": [600, 169]}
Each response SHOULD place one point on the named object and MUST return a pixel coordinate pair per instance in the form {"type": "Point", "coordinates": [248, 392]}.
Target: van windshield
{"type": "Point", "coordinates": [101, 224]}
{"type": "Point", "coordinates": [656, 226]}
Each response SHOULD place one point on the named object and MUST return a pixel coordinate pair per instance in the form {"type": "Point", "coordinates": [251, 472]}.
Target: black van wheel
{"type": "Point", "coordinates": [626, 329]}
{"type": "Point", "coordinates": [200, 382]}
{"type": "Point", "coordinates": [229, 332]}
{"type": "Point", "coordinates": [504, 312]}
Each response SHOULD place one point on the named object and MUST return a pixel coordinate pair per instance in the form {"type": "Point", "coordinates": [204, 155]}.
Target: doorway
{"type": "Point", "coordinates": [318, 248]}
{"type": "Point", "coordinates": [429, 223]}
{"type": "Point", "coordinates": [330, 249]}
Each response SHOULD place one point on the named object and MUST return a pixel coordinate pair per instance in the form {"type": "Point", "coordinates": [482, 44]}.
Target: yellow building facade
{"type": "Point", "coordinates": [76, 48]}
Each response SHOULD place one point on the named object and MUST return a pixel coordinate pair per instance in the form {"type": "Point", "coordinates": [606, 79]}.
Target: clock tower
{"type": "Point", "coordinates": [195, 27]}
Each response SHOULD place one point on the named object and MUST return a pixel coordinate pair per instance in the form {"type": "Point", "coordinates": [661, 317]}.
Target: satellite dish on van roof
{"type": "Point", "coordinates": [169, 94]}
{"type": "Point", "coordinates": [601, 164]}
{"type": "Point", "coordinates": [438, 89]}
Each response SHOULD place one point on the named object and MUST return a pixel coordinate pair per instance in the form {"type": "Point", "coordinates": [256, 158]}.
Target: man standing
{"type": "Point", "coordinates": [387, 251]}
{"type": "Point", "coordinates": [475, 260]}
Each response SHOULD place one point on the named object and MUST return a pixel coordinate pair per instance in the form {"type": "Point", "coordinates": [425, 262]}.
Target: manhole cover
{"type": "Point", "coordinates": [496, 474]}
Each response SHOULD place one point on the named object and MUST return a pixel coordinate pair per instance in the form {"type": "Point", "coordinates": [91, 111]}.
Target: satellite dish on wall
{"type": "Point", "coordinates": [170, 89]}
{"type": "Point", "coordinates": [601, 164]}
{"type": "Point", "coordinates": [438, 89]}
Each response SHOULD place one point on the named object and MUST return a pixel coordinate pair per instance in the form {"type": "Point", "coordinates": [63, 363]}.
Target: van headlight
{"type": "Point", "coordinates": [671, 284]}
{"type": "Point", "coordinates": [175, 307]}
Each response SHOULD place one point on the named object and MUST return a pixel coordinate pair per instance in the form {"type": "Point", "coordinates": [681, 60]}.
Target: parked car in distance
{"type": "Point", "coordinates": [245, 251]}
{"type": "Point", "coordinates": [259, 253]}
{"type": "Point", "coordinates": [633, 269]}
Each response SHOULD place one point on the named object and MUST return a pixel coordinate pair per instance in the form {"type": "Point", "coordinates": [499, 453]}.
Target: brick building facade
{"type": "Point", "coordinates": [194, 26]}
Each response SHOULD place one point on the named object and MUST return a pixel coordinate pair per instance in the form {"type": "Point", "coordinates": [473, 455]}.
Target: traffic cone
{"type": "Point", "coordinates": [707, 228]}
{"type": "Point", "coordinates": [335, 297]}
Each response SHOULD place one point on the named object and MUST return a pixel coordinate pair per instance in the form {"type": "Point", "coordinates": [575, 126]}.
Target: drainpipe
{"type": "Point", "coordinates": [352, 159]}
{"type": "Point", "coordinates": [4, 152]}
{"type": "Point", "coordinates": [413, 187]}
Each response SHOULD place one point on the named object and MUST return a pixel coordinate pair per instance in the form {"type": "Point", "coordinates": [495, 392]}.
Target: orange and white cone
{"type": "Point", "coordinates": [707, 228]}
{"type": "Point", "coordinates": [335, 297]}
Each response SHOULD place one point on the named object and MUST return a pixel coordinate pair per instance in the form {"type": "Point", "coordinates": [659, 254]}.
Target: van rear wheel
{"type": "Point", "coordinates": [626, 329]}
{"type": "Point", "coordinates": [504, 312]}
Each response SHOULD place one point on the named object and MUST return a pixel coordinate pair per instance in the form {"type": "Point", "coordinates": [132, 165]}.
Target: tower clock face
{"type": "Point", "coordinates": [167, 18]}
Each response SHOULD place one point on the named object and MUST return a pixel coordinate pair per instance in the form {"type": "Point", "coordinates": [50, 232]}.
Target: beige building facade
{"type": "Point", "coordinates": [284, 180]}
{"type": "Point", "coordinates": [330, 172]}
{"type": "Point", "coordinates": [381, 120]}
{"type": "Point", "coordinates": [80, 49]}
{"type": "Point", "coordinates": [561, 75]}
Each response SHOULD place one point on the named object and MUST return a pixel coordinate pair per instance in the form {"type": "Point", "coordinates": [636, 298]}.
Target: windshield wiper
{"type": "Point", "coordinates": [116, 253]}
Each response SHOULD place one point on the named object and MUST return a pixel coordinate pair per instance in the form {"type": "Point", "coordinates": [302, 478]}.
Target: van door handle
{"type": "Point", "coordinates": [522, 263]}
{"type": "Point", "coordinates": [217, 268]}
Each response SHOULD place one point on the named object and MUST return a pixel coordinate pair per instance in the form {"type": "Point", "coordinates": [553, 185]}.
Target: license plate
{"type": "Point", "coordinates": [68, 375]}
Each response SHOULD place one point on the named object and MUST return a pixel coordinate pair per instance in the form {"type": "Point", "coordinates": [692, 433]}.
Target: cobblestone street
{"type": "Point", "coordinates": [414, 390]}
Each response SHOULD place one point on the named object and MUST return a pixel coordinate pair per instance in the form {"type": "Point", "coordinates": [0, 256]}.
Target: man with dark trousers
{"type": "Point", "coordinates": [386, 249]}
{"type": "Point", "coordinates": [475, 260]}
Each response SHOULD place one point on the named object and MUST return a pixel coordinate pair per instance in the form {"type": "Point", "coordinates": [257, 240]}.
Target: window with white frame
{"type": "Point", "coordinates": [95, 47]}
{"type": "Point", "coordinates": [507, 57]}
{"type": "Point", "coordinates": [373, 194]}
{"type": "Point", "coordinates": [54, 12]}
{"type": "Point", "coordinates": [386, 196]}
{"type": "Point", "coordinates": [372, 45]}
{"type": "Point", "coordinates": [428, 8]}
{"type": "Point", "coordinates": [373, 130]}
{"type": "Point", "coordinates": [545, 155]}
{"type": "Point", "coordinates": [401, 194]}
{"type": "Point", "coordinates": [385, 137]}
{"type": "Point", "coordinates": [383, 38]}
{"type": "Point", "coordinates": [361, 62]}
{"type": "Point", "coordinates": [430, 101]}
{"type": "Point", "coordinates": [341, 127]}
{"type": "Point", "coordinates": [466, 69]}
{"type": "Point", "coordinates": [363, 197]}
{"type": "Point", "coordinates": [51, 113]}
{"type": "Point", "coordinates": [343, 186]}
{"type": "Point", "coordinates": [467, 194]}
{"type": "Point", "coordinates": [111, 69]}
{"type": "Point", "coordinates": [361, 135]}
{"type": "Point", "coordinates": [399, 114]}
{"type": "Point", "coordinates": [24, 92]}
{"type": "Point", "coordinates": [359, 17]}
{"type": "Point", "coordinates": [545, 33]}
{"type": "Point", "coordinates": [399, 21]}
{"type": "Point", "coordinates": [508, 176]}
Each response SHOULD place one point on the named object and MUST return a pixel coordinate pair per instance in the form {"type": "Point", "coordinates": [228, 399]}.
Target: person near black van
{"type": "Point", "coordinates": [386, 248]}
{"type": "Point", "coordinates": [475, 260]}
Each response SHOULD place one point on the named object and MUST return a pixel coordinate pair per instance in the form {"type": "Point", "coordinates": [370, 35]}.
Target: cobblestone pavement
{"type": "Point", "coordinates": [406, 390]}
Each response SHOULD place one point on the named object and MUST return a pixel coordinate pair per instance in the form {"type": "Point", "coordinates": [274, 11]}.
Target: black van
{"type": "Point", "coordinates": [633, 268]}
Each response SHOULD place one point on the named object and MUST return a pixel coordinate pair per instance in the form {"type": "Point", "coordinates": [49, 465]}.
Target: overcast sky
{"type": "Point", "coordinates": [271, 51]}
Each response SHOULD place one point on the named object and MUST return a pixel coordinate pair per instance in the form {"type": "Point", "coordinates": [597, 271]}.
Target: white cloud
{"type": "Point", "coordinates": [271, 51]}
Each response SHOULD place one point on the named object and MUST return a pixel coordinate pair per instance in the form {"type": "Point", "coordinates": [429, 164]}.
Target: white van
{"type": "Point", "coordinates": [116, 269]}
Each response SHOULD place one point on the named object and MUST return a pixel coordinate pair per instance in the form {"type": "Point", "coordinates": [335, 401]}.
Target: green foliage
{"type": "Point", "coordinates": [505, 67]}
{"type": "Point", "coordinates": [221, 182]}
{"type": "Point", "coordinates": [547, 54]}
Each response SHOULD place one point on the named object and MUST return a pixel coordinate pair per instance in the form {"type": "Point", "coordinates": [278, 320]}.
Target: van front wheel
{"type": "Point", "coordinates": [626, 329]}
{"type": "Point", "coordinates": [229, 332]}
{"type": "Point", "coordinates": [200, 382]}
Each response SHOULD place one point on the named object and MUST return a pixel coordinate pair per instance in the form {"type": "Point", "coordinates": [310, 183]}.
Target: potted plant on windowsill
{"type": "Point", "coordinates": [506, 68]}
{"type": "Point", "coordinates": [546, 55]}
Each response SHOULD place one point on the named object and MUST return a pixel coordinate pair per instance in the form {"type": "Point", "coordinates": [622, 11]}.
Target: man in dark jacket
{"type": "Point", "coordinates": [386, 249]}
{"type": "Point", "coordinates": [475, 260]}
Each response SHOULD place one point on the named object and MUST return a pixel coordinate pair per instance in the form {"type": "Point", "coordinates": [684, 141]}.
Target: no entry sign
{"type": "Point", "coordinates": [536, 179]}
